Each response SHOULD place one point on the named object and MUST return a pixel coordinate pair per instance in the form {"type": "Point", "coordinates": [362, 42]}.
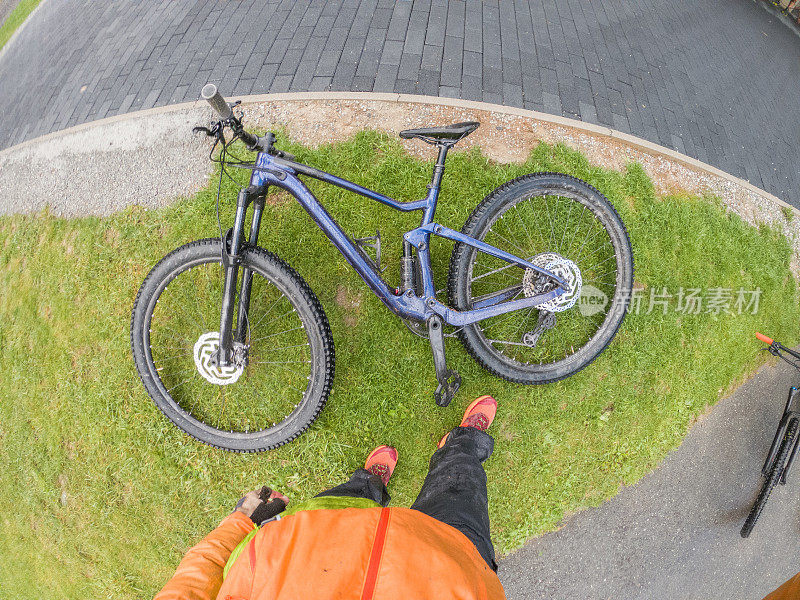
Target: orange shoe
{"type": "Point", "coordinates": [479, 415]}
{"type": "Point", "coordinates": [381, 462]}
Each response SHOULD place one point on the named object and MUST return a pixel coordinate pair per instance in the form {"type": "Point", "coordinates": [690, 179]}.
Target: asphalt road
{"type": "Point", "coordinates": [675, 535]}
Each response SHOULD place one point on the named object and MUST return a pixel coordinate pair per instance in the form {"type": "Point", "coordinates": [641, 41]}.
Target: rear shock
{"type": "Point", "coordinates": [407, 274]}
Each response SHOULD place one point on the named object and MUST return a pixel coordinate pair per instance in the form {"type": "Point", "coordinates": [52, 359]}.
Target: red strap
{"type": "Point", "coordinates": [375, 556]}
{"type": "Point", "coordinates": [251, 547]}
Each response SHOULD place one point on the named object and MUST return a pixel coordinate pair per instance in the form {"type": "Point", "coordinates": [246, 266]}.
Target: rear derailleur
{"type": "Point", "coordinates": [547, 320]}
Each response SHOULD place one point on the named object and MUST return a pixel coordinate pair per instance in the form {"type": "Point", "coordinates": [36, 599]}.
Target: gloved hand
{"type": "Point", "coordinates": [263, 504]}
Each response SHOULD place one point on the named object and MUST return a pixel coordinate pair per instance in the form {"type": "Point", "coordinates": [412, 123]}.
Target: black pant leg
{"type": "Point", "coordinates": [362, 484]}
{"type": "Point", "coordinates": [454, 490]}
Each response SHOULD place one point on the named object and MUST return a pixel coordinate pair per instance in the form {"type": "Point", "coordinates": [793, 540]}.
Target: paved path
{"type": "Point", "coordinates": [6, 6]}
{"type": "Point", "coordinates": [675, 535]}
{"type": "Point", "coordinates": [716, 79]}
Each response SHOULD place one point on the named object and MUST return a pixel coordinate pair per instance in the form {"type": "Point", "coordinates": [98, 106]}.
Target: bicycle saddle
{"type": "Point", "coordinates": [449, 133]}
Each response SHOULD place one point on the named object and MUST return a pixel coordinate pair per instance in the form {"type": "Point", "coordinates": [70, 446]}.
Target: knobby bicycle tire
{"type": "Point", "coordinates": [479, 224]}
{"type": "Point", "coordinates": [771, 479]}
{"type": "Point", "coordinates": [301, 299]}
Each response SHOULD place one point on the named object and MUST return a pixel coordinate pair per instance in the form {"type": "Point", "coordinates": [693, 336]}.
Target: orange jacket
{"type": "Point", "coordinates": [358, 553]}
{"type": "Point", "coordinates": [788, 591]}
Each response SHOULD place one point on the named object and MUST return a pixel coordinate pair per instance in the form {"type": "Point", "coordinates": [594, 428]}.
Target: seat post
{"type": "Point", "coordinates": [438, 170]}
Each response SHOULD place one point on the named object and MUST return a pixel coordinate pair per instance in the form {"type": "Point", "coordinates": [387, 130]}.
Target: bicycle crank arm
{"type": "Point", "coordinates": [449, 380]}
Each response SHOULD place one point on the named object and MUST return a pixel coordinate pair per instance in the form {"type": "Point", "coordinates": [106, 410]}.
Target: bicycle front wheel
{"type": "Point", "coordinates": [281, 374]}
{"type": "Point", "coordinates": [564, 225]}
{"type": "Point", "coordinates": [771, 480]}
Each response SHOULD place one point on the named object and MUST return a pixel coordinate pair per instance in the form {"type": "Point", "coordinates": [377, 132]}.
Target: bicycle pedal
{"type": "Point", "coordinates": [447, 389]}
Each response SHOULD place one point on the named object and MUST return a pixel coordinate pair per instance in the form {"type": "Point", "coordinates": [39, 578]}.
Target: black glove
{"type": "Point", "coordinates": [263, 504]}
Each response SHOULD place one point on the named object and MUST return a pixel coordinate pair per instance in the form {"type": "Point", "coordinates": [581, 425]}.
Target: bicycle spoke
{"type": "Point", "coordinates": [545, 223]}
{"type": "Point", "coordinates": [259, 392]}
{"type": "Point", "coordinates": [289, 347]}
{"type": "Point", "coordinates": [268, 311]}
{"type": "Point", "coordinates": [200, 311]}
{"type": "Point", "coordinates": [492, 272]}
{"type": "Point", "coordinates": [178, 355]}
{"type": "Point", "coordinates": [566, 226]}
{"type": "Point", "coordinates": [507, 242]}
{"type": "Point", "coordinates": [279, 333]}
{"type": "Point", "coordinates": [498, 294]}
{"type": "Point", "coordinates": [180, 384]}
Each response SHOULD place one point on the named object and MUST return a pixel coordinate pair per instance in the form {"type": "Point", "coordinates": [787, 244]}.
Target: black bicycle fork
{"type": "Point", "coordinates": [449, 381]}
{"type": "Point", "coordinates": [232, 249]}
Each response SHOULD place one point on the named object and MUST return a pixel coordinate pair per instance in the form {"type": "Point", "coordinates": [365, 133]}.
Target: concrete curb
{"type": "Point", "coordinates": [781, 16]}
{"type": "Point", "coordinates": [632, 141]}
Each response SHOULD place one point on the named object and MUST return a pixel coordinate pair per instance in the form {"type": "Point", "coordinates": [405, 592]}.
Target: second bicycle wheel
{"type": "Point", "coordinates": [562, 224]}
{"type": "Point", "coordinates": [771, 478]}
{"type": "Point", "coordinates": [282, 373]}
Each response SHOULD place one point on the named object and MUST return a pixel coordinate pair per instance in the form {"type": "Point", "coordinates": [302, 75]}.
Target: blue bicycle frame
{"type": "Point", "coordinates": [271, 170]}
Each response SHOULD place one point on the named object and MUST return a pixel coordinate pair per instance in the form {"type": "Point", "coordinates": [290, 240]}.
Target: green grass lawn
{"type": "Point", "coordinates": [100, 495]}
{"type": "Point", "coordinates": [15, 19]}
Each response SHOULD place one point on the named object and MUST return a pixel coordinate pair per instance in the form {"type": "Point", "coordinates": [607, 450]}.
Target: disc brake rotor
{"type": "Point", "coordinates": [205, 349]}
{"type": "Point", "coordinates": [534, 283]}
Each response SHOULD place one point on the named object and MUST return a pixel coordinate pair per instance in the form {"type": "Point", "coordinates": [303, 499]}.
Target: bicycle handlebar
{"type": "Point", "coordinates": [765, 339]}
{"type": "Point", "coordinates": [211, 95]}
{"type": "Point", "coordinates": [776, 348]}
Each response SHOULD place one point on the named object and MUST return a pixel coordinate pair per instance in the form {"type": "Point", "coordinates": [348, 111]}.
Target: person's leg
{"type": "Point", "coordinates": [369, 482]}
{"type": "Point", "coordinates": [454, 490]}
{"type": "Point", "coordinates": [362, 484]}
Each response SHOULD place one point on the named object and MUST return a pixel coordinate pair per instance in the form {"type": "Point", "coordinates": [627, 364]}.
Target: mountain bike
{"type": "Point", "coordinates": [783, 449]}
{"type": "Point", "coordinates": [235, 348]}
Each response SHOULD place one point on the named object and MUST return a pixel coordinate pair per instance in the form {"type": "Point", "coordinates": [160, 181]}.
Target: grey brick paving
{"type": "Point", "coordinates": [716, 79]}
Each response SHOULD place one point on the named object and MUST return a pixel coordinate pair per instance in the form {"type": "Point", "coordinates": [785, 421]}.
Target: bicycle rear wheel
{"type": "Point", "coordinates": [282, 374]}
{"type": "Point", "coordinates": [557, 222]}
{"type": "Point", "coordinates": [773, 476]}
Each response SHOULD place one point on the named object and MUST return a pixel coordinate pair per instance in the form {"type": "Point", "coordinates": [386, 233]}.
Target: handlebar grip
{"type": "Point", "coordinates": [210, 94]}
{"type": "Point", "coordinates": [765, 339]}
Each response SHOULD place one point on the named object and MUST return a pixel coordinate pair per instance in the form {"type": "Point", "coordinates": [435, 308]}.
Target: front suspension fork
{"type": "Point", "coordinates": [231, 259]}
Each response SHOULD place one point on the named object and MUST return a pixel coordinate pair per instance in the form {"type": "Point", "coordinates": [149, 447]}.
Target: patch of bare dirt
{"type": "Point", "coordinates": [279, 198]}
{"type": "Point", "coordinates": [351, 303]}
{"type": "Point", "coordinates": [510, 138]}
